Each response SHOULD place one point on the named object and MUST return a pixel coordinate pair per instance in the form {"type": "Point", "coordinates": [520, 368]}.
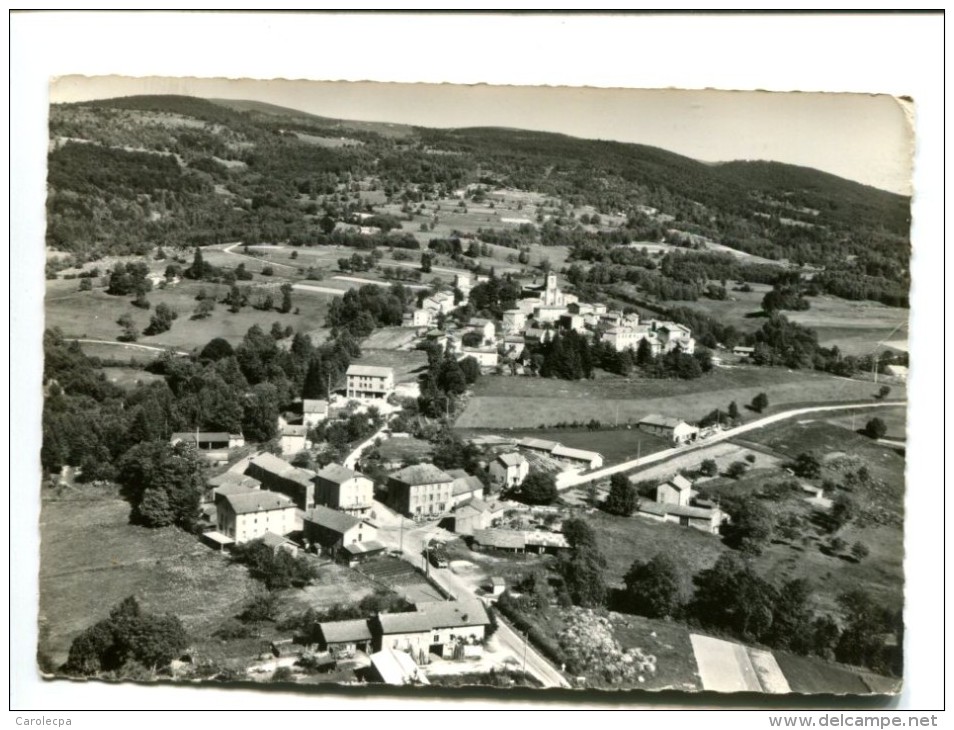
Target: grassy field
{"type": "Point", "coordinates": [389, 338]}
{"type": "Point", "coordinates": [93, 315]}
{"type": "Point", "coordinates": [669, 642]}
{"type": "Point", "coordinates": [400, 449]}
{"type": "Point", "coordinates": [129, 378]}
{"type": "Point", "coordinates": [894, 418]}
{"type": "Point", "coordinates": [407, 364]}
{"type": "Point", "coordinates": [91, 558]}
{"type": "Point", "coordinates": [524, 402]}
{"type": "Point", "coordinates": [615, 445]}
{"type": "Point", "coordinates": [813, 676]}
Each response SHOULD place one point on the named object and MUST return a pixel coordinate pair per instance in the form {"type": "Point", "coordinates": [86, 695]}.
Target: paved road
{"type": "Point", "coordinates": [535, 664]}
{"type": "Point", "coordinates": [567, 480]}
{"type": "Point", "coordinates": [151, 348]}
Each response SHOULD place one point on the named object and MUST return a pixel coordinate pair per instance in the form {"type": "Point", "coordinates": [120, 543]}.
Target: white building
{"type": "Point", "coordinates": [293, 439]}
{"type": "Point", "coordinates": [417, 318]}
{"type": "Point", "coordinates": [672, 429]}
{"type": "Point", "coordinates": [440, 303]}
{"type": "Point", "coordinates": [486, 357]}
{"type": "Point", "coordinates": [248, 515]}
{"type": "Point", "coordinates": [314, 411]}
{"type": "Point", "coordinates": [509, 470]}
{"type": "Point", "coordinates": [369, 383]}
{"type": "Point", "coordinates": [343, 489]}
{"type": "Point", "coordinates": [514, 321]}
{"type": "Point", "coordinates": [485, 328]}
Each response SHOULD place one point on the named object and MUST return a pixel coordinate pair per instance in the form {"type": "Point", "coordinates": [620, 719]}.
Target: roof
{"type": "Point", "coordinates": [538, 444]}
{"type": "Point", "coordinates": [397, 667]}
{"type": "Point", "coordinates": [663, 421]}
{"type": "Point", "coordinates": [498, 581]}
{"type": "Point", "coordinates": [290, 430]}
{"type": "Point", "coordinates": [363, 548]}
{"type": "Point", "coordinates": [579, 454]}
{"type": "Point", "coordinates": [273, 540]}
{"type": "Point", "coordinates": [272, 464]}
{"type": "Point", "coordinates": [513, 458]}
{"type": "Point", "coordinates": [662, 509]}
{"type": "Point", "coordinates": [314, 406]}
{"type": "Point", "coordinates": [411, 622]}
{"type": "Point", "coordinates": [435, 615]}
{"type": "Point", "coordinates": [479, 322]}
{"type": "Point", "coordinates": [337, 473]}
{"type": "Point", "coordinates": [231, 480]}
{"type": "Point", "coordinates": [421, 474]}
{"type": "Point", "coordinates": [334, 632]}
{"type": "Point", "coordinates": [500, 538]}
{"type": "Point", "coordinates": [679, 482]}
{"type": "Point", "coordinates": [466, 485]}
{"type": "Point", "coordinates": [190, 436]}
{"type": "Point", "coordinates": [331, 519]}
{"type": "Point", "coordinates": [257, 500]}
{"type": "Point", "coordinates": [371, 370]}
{"type": "Point", "coordinates": [539, 537]}
{"type": "Point", "coordinates": [472, 505]}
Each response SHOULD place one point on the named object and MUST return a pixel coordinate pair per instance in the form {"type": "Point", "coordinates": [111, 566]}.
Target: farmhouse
{"type": "Point", "coordinates": [434, 628]}
{"type": "Point", "coordinates": [486, 357]}
{"type": "Point", "coordinates": [577, 457]}
{"type": "Point", "coordinates": [230, 481]}
{"type": "Point", "coordinates": [332, 532]}
{"type": "Point", "coordinates": [248, 515]}
{"type": "Point", "coordinates": [474, 514]}
{"type": "Point", "coordinates": [417, 318]}
{"type": "Point", "coordinates": [278, 542]}
{"type": "Point", "coordinates": [707, 519]}
{"type": "Point", "coordinates": [340, 488]}
{"type": "Point", "coordinates": [293, 439]}
{"type": "Point", "coordinates": [509, 470]}
{"type": "Point", "coordinates": [421, 490]}
{"type": "Point", "coordinates": [898, 372]}
{"type": "Point", "coordinates": [673, 429]}
{"type": "Point", "coordinates": [519, 541]}
{"type": "Point", "coordinates": [440, 303]}
{"type": "Point", "coordinates": [344, 638]}
{"type": "Point", "coordinates": [465, 487]}
{"type": "Point", "coordinates": [213, 445]}
{"type": "Point", "coordinates": [677, 490]}
{"type": "Point", "coordinates": [673, 335]}
{"type": "Point", "coordinates": [573, 322]}
{"type": "Point", "coordinates": [625, 337]}
{"type": "Point", "coordinates": [369, 383]}
{"type": "Point", "coordinates": [396, 668]}
{"type": "Point", "coordinates": [314, 411]}
{"type": "Point", "coordinates": [741, 351]}
{"type": "Point", "coordinates": [280, 476]}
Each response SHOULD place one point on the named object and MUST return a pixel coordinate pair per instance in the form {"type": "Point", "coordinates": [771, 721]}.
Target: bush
{"type": "Point", "coordinates": [876, 429]}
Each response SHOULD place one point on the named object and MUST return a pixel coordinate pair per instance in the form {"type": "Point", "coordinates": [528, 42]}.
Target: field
{"type": "Point", "coordinates": [501, 402]}
{"type": "Point", "coordinates": [400, 577]}
{"type": "Point", "coordinates": [894, 418]}
{"type": "Point", "coordinates": [400, 449]}
{"type": "Point", "coordinates": [407, 364]}
{"type": "Point", "coordinates": [91, 558]}
{"type": "Point", "coordinates": [615, 445]}
{"type": "Point", "coordinates": [93, 315]}
{"type": "Point", "coordinates": [129, 378]}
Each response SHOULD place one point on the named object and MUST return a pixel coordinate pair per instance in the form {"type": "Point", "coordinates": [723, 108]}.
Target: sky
{"type": "Point", "coordinates": [862, 137]}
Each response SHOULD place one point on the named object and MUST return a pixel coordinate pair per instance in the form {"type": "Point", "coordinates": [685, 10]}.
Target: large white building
{"type": "Point", "coordinates": [369, 383]}
{"type": "Point", "coordinates": [247, 514]}
{"type": "Point", "coordinates": [343, 489]}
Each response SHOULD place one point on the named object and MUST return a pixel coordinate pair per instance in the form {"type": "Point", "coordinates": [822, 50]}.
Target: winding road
{"type": "Point", "coordinates": [151, 348]}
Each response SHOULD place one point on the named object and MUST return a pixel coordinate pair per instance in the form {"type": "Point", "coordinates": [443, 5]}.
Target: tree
{"type": "Point", "coordinates": [578, 533]}
{"type": "Point", "coordinates": [730, 596]}
{"type": "Point", "coordinates": [199, 269]}
{"type": "Point", "coordinates": [85, 284]}
{"type": "Point", "coordinates": [161, 320]}
{"type": "Point", "coordinates": [760, 402]}
{"type": "Point", "coordinates": [286, 290]}
{"type": "Point", "coordinates": [539, 487]}
{"type": "Point", "coordinates": [583, 570]}
{"type": "Point", "coordinates": [127, 638]}
{"type": "Point", "coordinates": [327, 224]}
{"type": "Point", "coordinates": [883, 392]}
{"type": "Point", "coordinates": [751, 527]}
{"type": "Point", "coordinates": [654, 588]}
{"type": "Point", "coordinates": [130, 331]}
{"type": "Point", "coordinates": [156, 466]}
{"type": "Point", "coordinates": [736, 470]}
{"type": "Point", "coordinates": [235, 299]}
{"type": "Point", "coordinates": [843, 510]}
{"type": "Point", "coordinates": [260, 417]}
{"type": "Point", "coordinates": [261, 605]}
{"type": "Point", "coordinates": [876, 429]}
{"type": "Point", "coordinates": [860, 551]}
{"type": "Point", "coordinates": [733, 411]}
{"type": "Point", "coordinates": [426, 261]}
{"type": "Point", "coordinates": [708, 468]}
{"type": "Point", "coordinates": [644, 353]}
{"type": "Point", "coordinates": [806, 465]}
{"type": "Point", "coordinates": [204, 308]}
{"type": "Point", "coordinates": [216, 349]}
{"type": "Point", "coordinates": [622, 499]}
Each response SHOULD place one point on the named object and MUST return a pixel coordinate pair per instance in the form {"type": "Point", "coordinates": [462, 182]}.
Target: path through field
{"type": "Point", "coordinates": [724, 666]}
{"type": "Point", "coordinates": [152, 348]}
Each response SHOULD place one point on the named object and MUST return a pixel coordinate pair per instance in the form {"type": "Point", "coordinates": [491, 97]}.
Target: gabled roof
{"type": "Point", "coordinates": [310, 405]}
{"type": "Point", "coordinates": [397, 668]}
{"type": "Point", "coordinates": [257, 500]}
{"type": "Point", "coordinates": [279, 467]}
{"type": "Point", "coordinates": [291, 430]}
{"type": "Point", "coordinates": [190, 436]}
{"type": "Point", "coordinates": [663, 421]}
{"type": "Point", "coordinates": [421, 474]}
{"type": "Point", "coordinates": [363, 548]}
{"type": "Point", "coordinates": [456, 473]}
{"type": "Point", "coordinates": [513, 539]}
{"type": "Point", "coordinates": [680, 482]}
{"type": "Point", "coordinates": [411, 622]}
{"type": "Point", "coordinates": [479, 322]}
{"type": "Point", "coordinates": [538, 444]}
{"type": "Point", "coordinates": [664, 508]}
{"type": "Point", "coordinates": [435, 615]}
{"type": "Point", "coordinates": [337, 473]}
{"type": "Point", "coordinates": [274, 541]}
{"type": "Point", "coordinates": [335, 632]}
{"type": "Point", "coordinates": [231, 480]}
{"type": "Point", "coordinates": [579, 454]}
{"type": "Point", "coordinates": [331, 519]}
{"type": "Point", "coordinates": [370, 371]}
{"type": "Point", "coordinates": [477, 506]}
{"type": "Point", "coordinates": [512, 459]}
{"type": "Point", "coordinates": [466, 485]}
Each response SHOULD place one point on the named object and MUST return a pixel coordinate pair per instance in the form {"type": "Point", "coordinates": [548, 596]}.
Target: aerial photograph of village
{"type": "Point", "coordinates": [341, 402]}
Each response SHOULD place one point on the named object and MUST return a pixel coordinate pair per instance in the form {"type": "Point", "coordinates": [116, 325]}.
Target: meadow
{"type": "Point", "coordinates": [525, 402]}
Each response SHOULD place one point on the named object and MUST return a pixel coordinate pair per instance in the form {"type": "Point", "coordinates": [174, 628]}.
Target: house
{"type": "Point", "coordinates": [417, 318]}
{"type": "Point", "coordinates": [465, 487]}
{"type": "Point", "coordinates": [230, 481]}
{"type": "Point", "coordinates": [509, 470]}
{"type": "Point", "coordinates": [329, 531]}
{"type": "Point", "coordinates": [548, 314]}
{"type": "Point", "coordinates": [511, 541]}
{"type": "Point", "coordinates": [293, 439]}
{"type": "Point", "coordinates": [485, 328]}
{"type": "Point", "coordinates": [707, 519]}
{"type": "Point", "coordinates": [898, 372]}
{"type": "Point", "coordinates": [486, 357]}
{"type": "Point", "coordinates": [573, 322]}
{"type": "Point", "coordinates": [514, 345]}
{"type": "Point", "coordinates": [625, 337]}
{"type": "Point", "coordinates": [539, 541]}
{"type": "Point", "coordinates": [538, 334]}
{"type": "Point", "coordinates": [497, 585]}
{"type": "Point", "coordinates": [540, 445]}
{"type": "Point", "coordinates": [213, 445]}
{"type": "Point", "coordinates": [440, 303]}
{"type": "Point", "coordinates": [314, 411]}
{"type": "Point", "coordinates": [673, 335]}
{"type": "Point", "coordinates": [340, 488]}
{"type": "Point", "coordinates": [577, 457]}
{"type": "Point", "coordinates": [279, 542]}
{"type": "Point", "coordinates": [743, 351]}
{"type": "Point", "coordinates": [280, 476]}
{"type": "Point", "coordinates": [514, 321]}
{"type": "Point", "coordinates": [248, 515]}
{"type": "Point", "coordinates": [421, 490]}
{"type": "Point", "coordinates": [474, 514]}
{"type": "Point", "coordinates": [344, 638]}
{"type": "Point", "coordinates": [677, 490]}
{"type": "Point", "coordinates": [434, 628]}
{"type": "Point", "coordinates": [396, 668]}
{"type": "Point", "coordinates": [369, 383]}
{"type": "Point", "coordinates": [672, 429]}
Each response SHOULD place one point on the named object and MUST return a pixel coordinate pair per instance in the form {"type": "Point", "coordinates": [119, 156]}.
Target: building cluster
{"type": "Point", "coordinates": [541, 312]}
{"type": "Point", "coordinates": [676, 501]}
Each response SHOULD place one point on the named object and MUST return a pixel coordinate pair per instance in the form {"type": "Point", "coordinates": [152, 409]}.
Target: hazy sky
{"type": "Point", "coordinates": [861, 137]}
